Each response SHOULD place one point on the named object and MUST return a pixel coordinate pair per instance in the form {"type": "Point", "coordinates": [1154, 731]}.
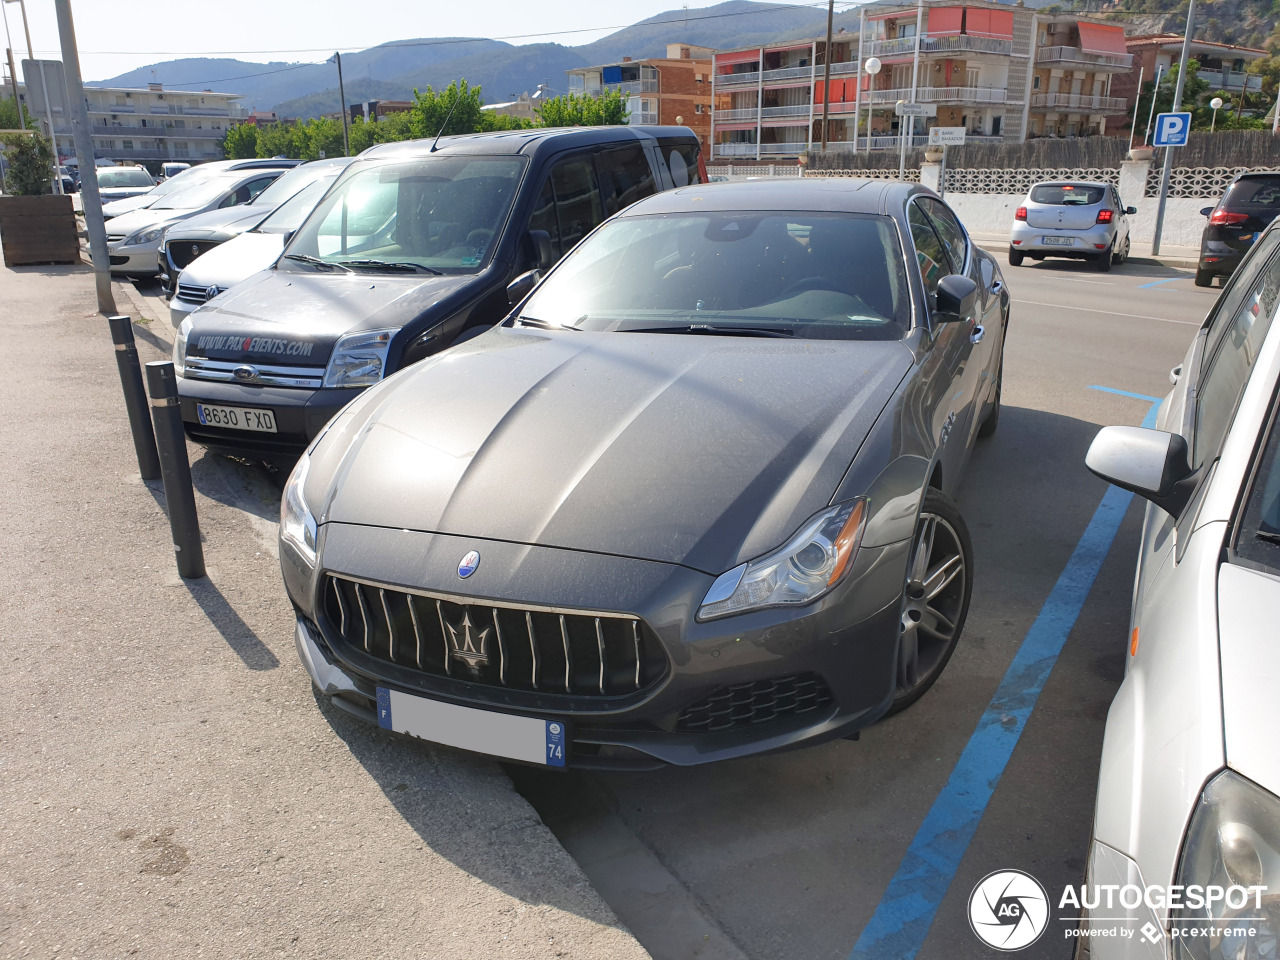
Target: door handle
{"type": "Point", "coordinates": [978, 333]}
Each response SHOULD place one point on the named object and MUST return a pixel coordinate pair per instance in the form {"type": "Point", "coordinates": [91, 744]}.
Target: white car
{"type": "Point", "coordinates": [1188, 807]}
{"type": "Point", "coordinates": [188, 178]}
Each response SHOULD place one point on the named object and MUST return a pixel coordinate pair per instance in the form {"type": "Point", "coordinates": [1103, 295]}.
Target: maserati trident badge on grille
{"type": "Point", "coordinates": [467, 565]}
{"type": "Point", "coordinates": [466, 643]}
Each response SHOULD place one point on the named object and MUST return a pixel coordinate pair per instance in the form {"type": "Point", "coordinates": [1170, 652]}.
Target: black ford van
{"type": "Point", "coordinates": [411, 251]}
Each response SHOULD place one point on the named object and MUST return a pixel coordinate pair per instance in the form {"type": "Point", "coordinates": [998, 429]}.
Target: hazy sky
{"type": "Point", "coordinates": [116, 37]}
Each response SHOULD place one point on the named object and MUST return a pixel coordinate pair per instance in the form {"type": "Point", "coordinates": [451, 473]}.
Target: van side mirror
{"type": "Point", "coordinates": [1151, 463]}
{"type": "Point", "coordinates": [542, 253]}
{"type": "Point", "coordinates": [1206, 211]}
{"type": "Point", "coordinates": [956, 299]}
{"type": "Point", "coordinates": [519, 288]}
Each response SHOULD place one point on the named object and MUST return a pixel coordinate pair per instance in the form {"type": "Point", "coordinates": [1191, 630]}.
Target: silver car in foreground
{"type": "Point", "coordinates": [1188, 809]}
{"type": "Point", "coordinates": [1077, 220]}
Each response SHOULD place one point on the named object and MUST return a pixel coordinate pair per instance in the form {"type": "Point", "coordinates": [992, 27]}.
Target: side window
{"type": "Point", "coordinates": [255, 187]}
{"type": "Point", "coordinates": [578, 202]}
{"type": "Point", "coordinates": [930, 254]}
{"type": "Point", "coordinates": [681, 156]}
{"type": "Point", "coordinates": [627, 175]}
{"type": "Point", "coordinates": [1239, 287]}
{"type": "Point", "coordinates": [544, 217]}
{"type": "Point", "coordinates": [950, 232]}
{"type": "Point", "coordinates": [1228, 368]}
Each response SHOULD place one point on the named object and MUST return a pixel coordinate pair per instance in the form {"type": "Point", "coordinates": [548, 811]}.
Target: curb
{"type": "Point", "coordinates": [992, 245]}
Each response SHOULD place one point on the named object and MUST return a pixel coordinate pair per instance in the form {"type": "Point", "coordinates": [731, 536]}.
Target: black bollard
{"type": "Point", "coordinates": [135, 398]}
{"type": "Point", "coordinates": [162, 384]}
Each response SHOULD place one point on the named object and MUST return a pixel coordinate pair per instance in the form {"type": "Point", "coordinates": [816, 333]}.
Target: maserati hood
{"type": "Point", "coordinates": [238, 259]}
{"type": "Point", "coordinates": [698, 450]}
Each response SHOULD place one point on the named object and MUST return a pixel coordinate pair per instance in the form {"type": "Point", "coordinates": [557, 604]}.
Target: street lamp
{"type": "Point", "coordinates": [1216, 103]}
{"type": "Point", "coordinates": [872, 66]}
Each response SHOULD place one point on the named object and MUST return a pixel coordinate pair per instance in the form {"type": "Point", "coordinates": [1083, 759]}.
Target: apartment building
{"type": "Point", "coordinates": [1003, 72]}
{"type": "Point", "coordinates": [151, 125]}
{"type": "Point", "coordinates": [675, 89]}
{"type": "Point", "coordinates": [1222, 64]}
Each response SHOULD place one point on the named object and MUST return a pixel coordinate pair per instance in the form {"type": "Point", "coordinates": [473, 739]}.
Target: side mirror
{"type": "Point", "coordinates": [542, 253]}
{"type": "Point", "coordinates": [956, 299]}
{"type": "Point", "coordinates": [519, 288]}
{"type": "Point", "coordinates": [1151, 463]}
{"type": "Point", "coordinates": [1130, 211]}
{"type": "Point", "coordinates": [1206, 211]}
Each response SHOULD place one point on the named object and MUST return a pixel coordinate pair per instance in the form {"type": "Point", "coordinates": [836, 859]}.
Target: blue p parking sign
{"type": "Point", "coordinates": [1171, 130]}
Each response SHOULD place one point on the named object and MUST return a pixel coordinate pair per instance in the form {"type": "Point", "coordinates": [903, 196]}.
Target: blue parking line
{"type": "Point", "coordinates": [1156, 283]}
{"type": "Point", "coordinates": [906, 912]}
{"type": "Point", "coordinates": [1127, 393]}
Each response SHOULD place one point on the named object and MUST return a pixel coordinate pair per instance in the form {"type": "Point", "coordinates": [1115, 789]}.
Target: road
{"type": "Point", "coordinates": [790, 856]}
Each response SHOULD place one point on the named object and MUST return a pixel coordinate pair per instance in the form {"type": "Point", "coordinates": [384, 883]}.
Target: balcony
{"type": "Point", "coordinates": [790, 149]}
{"type": "Point", "coordinates": [733, 149]}
{"type": "Point", "coordinates": [735, 116]}
{"type": "Point", "coordinates": [1078, 103]}
{"type": "Point", "coordinates": [791, 110]}
{"type": "Point", "coordinates": [735, 79]}
{"type": "Point", "coordinates": [631, 88]}
{"type": "Point", "coordinates": [639, 117]}
{"type": "Point", "coordinates": [95, 108]}
{"type": "Point", "coordinates": [1074, 55]}
{"type": "Point", "coordinates": [941, 95]}
{"type": "Point", "coordinates": [1230, 80]}
{"type": "Point", "coordinates": [842, 68]}
{"type": "Point", "coordinates": [787, 73]}
{"type": "Point", "coordinates": [962, 43]}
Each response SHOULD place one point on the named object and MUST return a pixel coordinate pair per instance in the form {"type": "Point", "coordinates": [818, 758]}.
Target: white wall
{"type": "Point", "coordinates": [987, 214]}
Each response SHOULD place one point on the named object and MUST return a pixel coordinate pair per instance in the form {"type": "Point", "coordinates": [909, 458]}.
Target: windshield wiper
{"type": "Point", "coordinates": [543, 324]}
{"type": "Point", "coordinates": [711, 328]}
{"type": "Point", "coordinates": [1269, 536]}
{"type": "Point", "coordinates": [404, 266]}
{"type": "Point", "coordinates": [316, 261]}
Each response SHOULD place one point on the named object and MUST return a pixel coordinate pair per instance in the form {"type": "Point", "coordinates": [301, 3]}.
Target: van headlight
{"type": "Point", "coordinates": [297, 525]}
{"type": "Point", "coordinates": [359, 359]}
{"type": "Point", "coordinates": [803, 569]}
{"type": "Point", "coordinates": [180, 348]}
{"type": "Point", "coordinates": [1232, 856]}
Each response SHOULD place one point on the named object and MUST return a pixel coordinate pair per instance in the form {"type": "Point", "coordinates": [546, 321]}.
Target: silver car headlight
{"type": "Point", "coordinates": [297, 525]}
{"type": "Point", "coordinates": [145, 236]}
{"type": "Point", "coordinates": [803, 569]}
{"type": "Point", "coordinates": [1230, 875]}
{"type": "Point", "coordinates": [359, 359]}
{"type": "Point", "coordinates": [180, 348]}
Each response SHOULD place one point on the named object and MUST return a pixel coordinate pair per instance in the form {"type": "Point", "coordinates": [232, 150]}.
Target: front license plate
{"type": "Point", "coordinates": [1058, 241]}
{"type": "Point", "coordinates": [497, 734]}
{"type": "Point", "coordinates": [236, 418]}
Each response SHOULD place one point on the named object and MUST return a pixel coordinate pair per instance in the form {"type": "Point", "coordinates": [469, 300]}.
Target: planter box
{"type": "Point", "coordinates": [38, 230]}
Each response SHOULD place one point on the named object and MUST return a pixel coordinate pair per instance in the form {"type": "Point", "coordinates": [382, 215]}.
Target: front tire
{"type": "Point", "coordinates": [1015, 257]}
{"type": "Point", "coordinates": [935, 599]}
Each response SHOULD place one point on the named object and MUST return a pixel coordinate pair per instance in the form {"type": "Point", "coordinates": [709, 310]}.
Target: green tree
{"type": "Point", "coordinates": [1268, 68]}
{"type": "Point", "coordinates": [30, 160]}
{"type": "Point", "coordinates": [1192, 91]}
{"type": "Point", "coordinates": [9, 115]}
{"type": "Point", "coordinates": [241, 142]}
{"type": "Point", "coordinates": [579, 110]}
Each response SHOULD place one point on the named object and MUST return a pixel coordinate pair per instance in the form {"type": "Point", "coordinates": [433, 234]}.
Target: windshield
{"type": "Point", "coordinates": [439, 214]}
{"type": "Point", "coordinates": [1067, 194]}
{"type": "Point", "coordinates": [287, 185]}
{"type": "Point", "coordinates": [291, 214]}
{"type": "Point", "coordinates": [125, 177]}
{"type": "Point", "coordinates": [196, 195]}
{"type": "Point", "coordinates": [825, 276]}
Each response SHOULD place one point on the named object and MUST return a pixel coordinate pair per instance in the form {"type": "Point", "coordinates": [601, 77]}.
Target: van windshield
{"type": "Point", "coordinates": [437, 214]}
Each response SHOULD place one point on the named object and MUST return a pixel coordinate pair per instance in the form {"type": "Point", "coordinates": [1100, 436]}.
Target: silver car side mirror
{"type": "Point", "coordinates": [1151, 463]}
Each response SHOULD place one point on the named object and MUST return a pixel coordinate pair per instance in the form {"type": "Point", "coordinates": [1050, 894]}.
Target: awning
{"type": "Point", "coordinates": [945, 21]}
{"type": "Point", "coordinates": [742, 56]}
{"type": "Point", "coordinates": [988, 23]}
{"type": "Point", "coordinates": [1099, 38]}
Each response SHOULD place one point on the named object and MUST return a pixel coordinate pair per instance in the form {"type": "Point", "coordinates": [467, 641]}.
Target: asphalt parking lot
{"type": "Point", "coordinates": [870, 848]}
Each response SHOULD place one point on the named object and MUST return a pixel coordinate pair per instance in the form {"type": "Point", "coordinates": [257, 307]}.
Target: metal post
{"type": "Point", "coordinates": [13, 78]}
{"type": "Point", "coordinates": [826, 78]}
{"type": "Point", "coordinates": [84, 152]}
{"type": "Point", "coordinates": [942, 174]}
{"type": "Point", "coordinates": [915, 72]}
{"type": "Point", "coordinates": [1155, 92]}
{"type": "Point", "coordinates": [1168, 151]}
{"type": "Point", "coordinates": [1133, 127]}
{"type": "Point", "coordinates": [135, 397]}
{"type": "Point", "coordinates": [342, 95]}
{"type": "Point", "coordinates": [857, 90]}
{"type": "Point", "coordinates": [162, 384]}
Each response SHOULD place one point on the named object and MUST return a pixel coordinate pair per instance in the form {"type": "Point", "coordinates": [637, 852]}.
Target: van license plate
{"type": "Point", "coordinates": [236, 418]}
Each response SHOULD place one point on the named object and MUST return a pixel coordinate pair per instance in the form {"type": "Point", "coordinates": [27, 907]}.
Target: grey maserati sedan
{"type": "Point", "coordinates": [690, 500]}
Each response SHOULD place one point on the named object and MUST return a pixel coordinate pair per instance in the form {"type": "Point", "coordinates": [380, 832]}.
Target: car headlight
{"type": "Point", "coordinates": [180, 348]}
{"type": "Point", "coordinates": [359, 359]}
{"type": "Point", "coordinates": [1232, 844]}
{"type": "Point", "coordinates": [297, 525]}
{"type": "Point", "coordinates": [803, 569]}
{"type": "Point", "coordinates": [145, 236]}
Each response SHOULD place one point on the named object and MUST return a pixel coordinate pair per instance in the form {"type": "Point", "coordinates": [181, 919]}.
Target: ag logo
{"type": "Point", "coordinates": [1008, 910]}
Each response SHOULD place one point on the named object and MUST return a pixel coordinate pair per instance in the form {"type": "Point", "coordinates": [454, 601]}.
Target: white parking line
{"type": "Point", "coordinates": [1108, 313]}
{"type": "Point", "coordinates": [1101, 283]}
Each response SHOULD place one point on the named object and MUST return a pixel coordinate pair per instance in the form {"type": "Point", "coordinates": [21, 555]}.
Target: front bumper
{"type": "Point", "coordinates": [848, 639]}
{"type": "Point", "coordinates": [134, 259]}
{"type": "Point", "coordinates": [299, 414]}
{"type": "Point", "coordinates": [1084, 243]}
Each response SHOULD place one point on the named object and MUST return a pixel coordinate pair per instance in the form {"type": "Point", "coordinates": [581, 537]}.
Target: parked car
{"type": "Point", "coordinates": [1189, 788]}
{"type": "Point", "coordinates": [254, 250]}
{"type": "Point", "coordinates": [412, 249]}
{"type": "Point", "coordinates": [70, 180]}
{"type": "Point", "coordinates": [172, 169]}
{"type": "Point", "coordinates": [1249, 204]}
{"type": "Point", "coordinates": [691, 500]}
{"type": "Point", "coordinates": [1076, 220]}
{"type": "Point", "coordinates": [134, 239]}
{"type": "Point", "coordinates": [117, 183]}
{"type": "Point", "coordinates": [188, 178]}
{"type": "Point", "coordinates": [197, 235]}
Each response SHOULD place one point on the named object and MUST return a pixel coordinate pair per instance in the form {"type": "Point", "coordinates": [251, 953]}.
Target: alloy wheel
{"type": "Point", "coordinates": [933, 604]}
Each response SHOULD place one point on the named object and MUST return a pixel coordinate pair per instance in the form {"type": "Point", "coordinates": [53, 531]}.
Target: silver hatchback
{"type": "Point", "coordinates": [1076, 220]}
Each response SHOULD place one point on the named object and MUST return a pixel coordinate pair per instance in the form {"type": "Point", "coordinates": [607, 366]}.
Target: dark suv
{"type": "Point", "coordinates": [411, 251]}
{"type": "Point", "coordinates": [1251, 202]}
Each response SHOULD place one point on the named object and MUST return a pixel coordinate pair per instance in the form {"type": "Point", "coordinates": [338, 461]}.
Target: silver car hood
{"type": "Point", "coordinates": [118, 208]}
{"type": "Point", "coordinates": [238, 259]}
{"type": "Point", "coordinates": [144, 219]}
{"type": "Point", "coordinates": [697, 450]}
{"type": "Point", "coordinates": [222, 224]}
{"type": "Point", "coordinates": [1250, 651]}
